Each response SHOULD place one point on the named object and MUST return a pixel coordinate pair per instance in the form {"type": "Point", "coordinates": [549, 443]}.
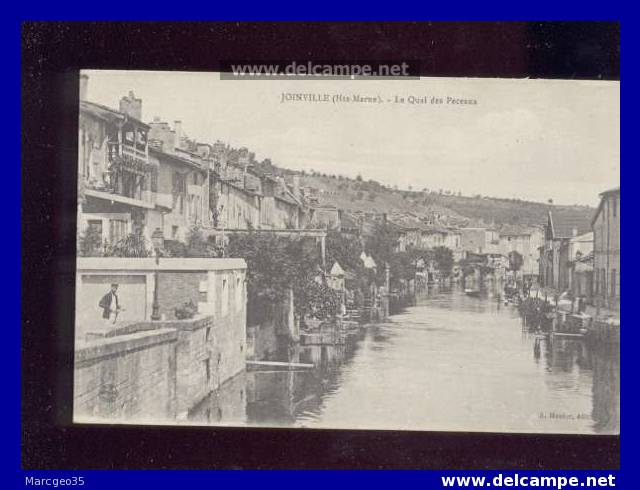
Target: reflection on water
{"type": "Point", "coordinates": [451, 362]}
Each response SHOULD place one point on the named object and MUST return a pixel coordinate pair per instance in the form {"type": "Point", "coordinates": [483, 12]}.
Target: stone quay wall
{"type": "Point", "coordinates": [157, 371]}
{"type": "Point", "coordinates": [127, 378]}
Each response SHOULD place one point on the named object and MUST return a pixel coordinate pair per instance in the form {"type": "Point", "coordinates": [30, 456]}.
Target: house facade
{"type": "Point", "coordinates": [606, 250]}
{"type": "Point", "coordinates": [526, 240]}
{"type": "Point", "coordinates": [117, 182]}
{"type": "Point", "coordinates": [480, 240]}
{"type": "Point", "coordinates": [554, 260]}
{"type": "Point", "coordinates": [182, 197]}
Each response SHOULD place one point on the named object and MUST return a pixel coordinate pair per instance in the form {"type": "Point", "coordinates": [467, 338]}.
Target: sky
{"type": "Point", "coordinates": [529, 139]}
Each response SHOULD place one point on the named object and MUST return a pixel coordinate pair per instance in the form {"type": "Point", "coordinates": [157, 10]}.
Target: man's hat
{"type": "Point", "coordinates": [114, 284]}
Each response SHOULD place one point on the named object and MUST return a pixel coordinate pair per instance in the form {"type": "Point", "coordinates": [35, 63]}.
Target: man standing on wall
{"type": "Point", "coordinates": [110, 305]}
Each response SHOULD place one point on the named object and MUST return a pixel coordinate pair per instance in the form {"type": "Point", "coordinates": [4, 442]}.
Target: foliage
{"type": "Point", "coordinates": [516, 261]}
{"type": "Point", "coordinates": [317, 300]}
{"type": "Point", "coordinates": [186, 311]}
{"type": "Point", "coordinates": [402, 267]}
{"type": "Point", "coordinates": [443, 257]}
{"type": "Point", "coordinates": [276, 265]}
{"type": "Point", "coordinates": [381, 246]}
{"type": "Point", "coordinates": [133, 245]}
{"type": "Point", "coordinates": [90, 243]}
{"type": "Point", "coordinates": [535, 311]}
{"type": "Point", "coordinates": [175, 248]}
{"type": "Point", "coordinates": [198, 246]}
{"type": "Point", "coordinates": [214, 199]}
{"type": "Point", "coordinates": [344, 250]}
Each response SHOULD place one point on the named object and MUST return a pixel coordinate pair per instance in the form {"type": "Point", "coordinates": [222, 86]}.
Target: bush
{"type": "Point", "coordinates": [175, 248]}
{"type": "Point", "coordinates": [186, 311]}
{"type": "Point", "coordinates": [318, 301]}
{"type": "Point", "coordinates": [198, 246]}
{"type": "Point", "coordinates": [133, 245]}
{"type": "Point", "coordinates": [91, 244]}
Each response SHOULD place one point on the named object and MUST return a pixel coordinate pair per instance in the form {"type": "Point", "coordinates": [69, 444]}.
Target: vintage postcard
{"type": "Point", "coordinates": [354, 249]}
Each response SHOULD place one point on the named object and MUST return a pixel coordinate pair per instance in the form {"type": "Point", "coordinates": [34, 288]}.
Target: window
{"type": "Point", "coordinates": [154, 181]}
{"type": "Point", "coordinates": [129, 137]}
{"type": "Point", "coordinates": [238, 294]}
{"type": "Point", "coordinates": [179, 189]}
{"type": "Point", "coordinates": [225, 297]}
{"type": "Point", "coordinates": [95, 226]}
{"type": "Point", "coordinates": [615, 206]}
{"type": "Point", "coordinates": [117, 230]}
{"type": "Point", "coordinates": [207, 368]}
{"type": "Point", "coordinates": [174, 232]}
{"type": "Point", "coordinates": [613, 283]}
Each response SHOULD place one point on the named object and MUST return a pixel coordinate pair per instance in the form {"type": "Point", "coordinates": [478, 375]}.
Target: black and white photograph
{"type": "Point", "coordinates": [400, 253]}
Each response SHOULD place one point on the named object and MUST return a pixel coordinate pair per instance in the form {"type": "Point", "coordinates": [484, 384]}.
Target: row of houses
{"type": "Point", "coordinates": [138, 177]}
{"type": "Point", "coordinates": [489, 241]}
{"type": "Point", "coordinates": [583, 256]}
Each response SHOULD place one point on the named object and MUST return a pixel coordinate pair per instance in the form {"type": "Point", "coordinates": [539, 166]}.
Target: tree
{"type": "Point", "coordinates": [444, 260]}
{"type": "Point", "coordinates": [516, 261]}
{"type": "Point", "coordinates": [344, 250]}
{"type": "Point", "coordinates": [381, 246]}
{"type": "Point", "coordinates": [276, 266]}
{"type": "Point", "coordinates": [402, 267]}
{"type": "Point", "coordinates": [90, 243]}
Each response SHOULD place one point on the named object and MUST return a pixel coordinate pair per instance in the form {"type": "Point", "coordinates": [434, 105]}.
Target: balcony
{"type": "Point", "coordinates": [114, 197]}
{"type": "Point", "coordinates": [127, 181]}
{"type": "Point", "coordinates": [137, 153]}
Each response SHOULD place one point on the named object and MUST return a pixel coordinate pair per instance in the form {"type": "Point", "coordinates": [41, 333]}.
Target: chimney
{"type": "Point", "coordinates": [131, 106]}
{"type": "Point", "coordinates": [574, 232]}
{"type": "Point", "coordinates": [161, 133]}
{"type": "Point", "coordinates": [84, 85]}
{"type": "Point", "coordinates": [177, 127]}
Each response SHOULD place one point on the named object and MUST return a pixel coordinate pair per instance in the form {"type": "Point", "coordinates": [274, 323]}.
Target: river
{"type": "Point", "coordinates": [449, 363]}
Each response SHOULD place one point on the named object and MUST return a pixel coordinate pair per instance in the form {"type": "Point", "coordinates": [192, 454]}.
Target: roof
{"type": "Point", "coordinates": [603, 196]}
{"type": "Point", "coordinates": [176, 158]}
{"type": "Point", "coordinates": [260, 172]}
{"type": "Point", "coordinates": [563, 226]}
{"type": "Point", "coordinates": [336, 270]}
{"type": "Point", "coordinates": [610, 192]}
{"type": "Point", "coordinates": [585, 237]}
{"type": "Point", "coordinates": [108, 114]}
{"type": "Point", "coordinates": [517, 230]}
{"type": "Point", "coordinates": [369, 263]}
{"type": "Point", "coordinates": [283, 193]}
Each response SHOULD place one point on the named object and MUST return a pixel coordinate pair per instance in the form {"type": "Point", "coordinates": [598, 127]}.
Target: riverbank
{"type": "Point", "coordinates": [398, 374]}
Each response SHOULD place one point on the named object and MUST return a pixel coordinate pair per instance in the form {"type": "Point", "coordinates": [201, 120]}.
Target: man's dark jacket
{"type": "Point", "coordinates": [105, 303]}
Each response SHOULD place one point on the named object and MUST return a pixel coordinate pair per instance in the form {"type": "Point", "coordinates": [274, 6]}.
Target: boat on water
{"type": "Point", "coordinates": [475, 293]}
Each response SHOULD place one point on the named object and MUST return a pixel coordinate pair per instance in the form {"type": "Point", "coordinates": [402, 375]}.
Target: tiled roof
{"type": "Point", "coordinates": [100, 111]}
{"type": "Point", "coordinates": [563, 226]}
{"type": "Point", "coordinates": [516, 230]}
{"type": "Point", "coordinates": [176, 158]}
{"type": "Point", "coordinates": [107, 113]}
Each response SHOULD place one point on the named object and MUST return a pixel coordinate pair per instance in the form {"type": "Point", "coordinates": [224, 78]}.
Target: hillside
{"type": "Point", "coordinates": [371, 196]}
